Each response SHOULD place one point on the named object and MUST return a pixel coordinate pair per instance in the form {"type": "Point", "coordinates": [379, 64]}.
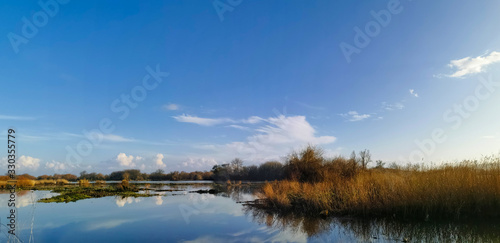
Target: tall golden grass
{"type": "Point", "coordinates": [24, 182]}
{"type": "Point", "coordinates": [3, 184]}
{"type": "Point", "coordinates": [465, 189]}
{"type": "Point", "coordinates": [84, 183]}
{"type": "Point", "coordinates": [45, 182]}
{"type": "Point", "coordinates": [100, 182]}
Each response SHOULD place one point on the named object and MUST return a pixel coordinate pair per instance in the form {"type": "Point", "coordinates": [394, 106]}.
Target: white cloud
{"type": "Point", "coordinates": [125, 160]}
{"type": "Point", "coordinates": [158, 200]}
{"type": "Point", "coordinates": [277, 138]}
{"type": "Point", "coordinates": [104, 137]}
{"type": "Point", "coordinates": [199, 163]}
{"type": "Point", "coordinates": [122, 201]}
{"type": "Point", "coordinates": [309, 106]}
{"type": "Point", "coordinates": [202, 121]}
{"type": "Point", "coordinates": [355, 116]}
{"type": "Point", "coordinates": [252, 120]}
{"type": "Point", "coordinates": [413, 93]}
{"type": "Point", "coordinates": [171, 107]}
{"type": "Point", "coordinates": [240, 127]}
{"type": "Point", "coordinates": [18, 118]}
{"type": "Point", "coordinates": [103, 225]}
{"type": "Point", "coordinates": [55, 165]}
{"type": "Point", "coordinates": [215, 121]}
{"type": "Point", "coordinates": [159, 161]}
{"type": "Point", "coordinates": [391, 107]}
{"type": "Point", "coordinates": [29, 162]}
{"type": "Point", "coordinates": [472, 65]}
{"type": "Point", "coordinates": [116, 138]}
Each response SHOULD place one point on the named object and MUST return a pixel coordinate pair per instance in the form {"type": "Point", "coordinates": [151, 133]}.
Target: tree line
{"type": "Point", "coordinates": [294, 168]}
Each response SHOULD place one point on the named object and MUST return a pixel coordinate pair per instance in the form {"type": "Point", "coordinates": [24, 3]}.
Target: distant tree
{"type": "Point", "coordinates": [364, 158]}
{"type": "Point", "coordinates": [43, 177]}
{"type": "Point", "coordinates": [395, 166]}
{"type": "Point", "coordinates": [70, 177]}
{"type": "Point", "coordinates": [271, 170]}
{"type": "Point", "coordinates": [116, 176]}
{"type": "Point", "coordinates": [380, 164]}
{"type": "Point", "coordinates": [83, 174]}
{"type": "Point", "coordinates": [221, 172]}
{"type": "Point", "coordinates": [353, 158]}
{"type": "Point", "coordinates": [305, 166]}
{"type": "Point", "coordinates": [133, 174]}
{"type": "Point", "coordinates": [100, 177]}
{"type": "Point", "coordinates": [26, 176]}
{"type": "Point", "coordinates": [126, 176]}
{"type": "Point", "coordinates": [253, 172]}
{"type": "Point", "coordinates": [237, 164]}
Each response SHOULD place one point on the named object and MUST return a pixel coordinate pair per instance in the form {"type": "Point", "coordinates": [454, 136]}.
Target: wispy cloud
{"type": "Point", "coordinates": [171, 107]}
{"type": "Point", "coordinates": [472, 65]}
{"type": "Point", "coordinates": [355, 116]}
{"type": "Point", "coordinates": [215, 121]}
{"type": "Point", "coordinates": [116, 138]}
{"type": "Point", "coordinates": [394, 106]}
{"type": "Point", "coordinates": [243, 128]}
{"type": "Point", "coordinates": [105, 137]}
{"type": "Point", "coordinates": [270, 141]}
{"type": "Point", "coordinates": [17, 118]}
{"type": "Point", "coordinates": [413, 93]}
{"type": "Point", "coordinates": [202, 121]}
{"type": "Point", "coordinates": [252, 120]}
{"type": "Point", "coordinates": [309, 106]}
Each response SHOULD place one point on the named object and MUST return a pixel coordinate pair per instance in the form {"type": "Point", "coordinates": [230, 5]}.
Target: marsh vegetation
{"type": "Point", "coordinates": [315, 185]}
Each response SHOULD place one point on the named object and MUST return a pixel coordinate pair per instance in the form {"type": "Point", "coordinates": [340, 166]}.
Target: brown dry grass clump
{"type": "Point", "coordinates": [84, 183]}
{"type": "Point", "coordinates": [45, 182]}
{"type": "Point", "coordinates": [24, 182]}
{"type": "Point", "coordinates": [100, 182]}
{"type": "Point", "coordinates": [3, 184]}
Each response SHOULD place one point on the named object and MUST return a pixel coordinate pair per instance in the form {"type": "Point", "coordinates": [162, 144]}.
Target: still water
{"type": "Point", "coordinates": [181, 216]}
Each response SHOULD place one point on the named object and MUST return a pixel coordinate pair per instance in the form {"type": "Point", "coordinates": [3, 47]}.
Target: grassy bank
{"type": "Point", "coordinates": [78, 193]}
{"type": "Point", "coordinates": [340, 186]}
{"type": "Point", "coordinates": [85, 190]}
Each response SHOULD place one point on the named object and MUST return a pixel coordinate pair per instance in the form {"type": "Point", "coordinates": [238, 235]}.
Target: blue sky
{"type": "Point", "coordinates": [249, 79]}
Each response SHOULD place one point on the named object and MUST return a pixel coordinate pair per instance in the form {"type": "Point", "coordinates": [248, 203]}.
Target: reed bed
{"type": "Point", "coordinates": [84, 183]}
{"type": "Point", "coordinates": [49, 182]}
{"type": "Point", "coordinates": [462, 190]}
{"type": "Point", "coordinates": [3, 184]}
{"type": "Point", "coordinates": [24, 182]}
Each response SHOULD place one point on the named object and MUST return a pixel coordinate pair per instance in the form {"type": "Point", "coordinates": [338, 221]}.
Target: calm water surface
{"type": "Point", "coordinates": [180, 216]}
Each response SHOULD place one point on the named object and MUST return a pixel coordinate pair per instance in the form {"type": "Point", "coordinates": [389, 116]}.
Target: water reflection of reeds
{"type": "Point", "coordinates": [368, 230]}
